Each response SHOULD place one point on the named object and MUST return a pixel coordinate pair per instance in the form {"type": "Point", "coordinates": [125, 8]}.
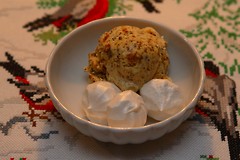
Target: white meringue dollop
{"type": "Point", "coordinates": [127, 110]}
{"type": "Point", "coordinates": [162, 98]}
{"type": "Point", "coordinates": [104, 103]}
{"type": "Point", "coordinates": [95, 99]}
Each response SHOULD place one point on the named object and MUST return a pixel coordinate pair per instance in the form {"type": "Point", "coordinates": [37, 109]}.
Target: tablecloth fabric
{"type": "Point", "coordinates": [30, 126]}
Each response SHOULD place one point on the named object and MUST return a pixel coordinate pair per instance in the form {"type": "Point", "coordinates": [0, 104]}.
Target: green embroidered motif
{"type": "Point", "coordinates": [178, 1]}
{"type": "Point", "coordinates": [51, 35]}
{"type": "Point", "coordinates": [222, 64]}
{"type": "Point", "coordinates": [209, 55]}
{"type": "Point", "coordinates": [210, 157]}
{"type": "Point", "coordinates": [229, 2]}
{"type": "Point", "coordinates": [117, 7]}
{"type": "Point", "coordinates": [235, 67]}
{"type": "Point", "coordinates": [217, 26]}
{"type": "Point", "coordinates": [47, 4]}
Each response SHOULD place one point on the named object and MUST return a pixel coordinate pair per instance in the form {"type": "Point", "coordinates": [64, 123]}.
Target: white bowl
{"type": "Point", "coordinates": [67, 80]}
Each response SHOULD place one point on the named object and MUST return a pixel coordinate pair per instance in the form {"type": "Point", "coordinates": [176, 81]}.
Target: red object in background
{"type": "Point", "coordinates": [98, 11]}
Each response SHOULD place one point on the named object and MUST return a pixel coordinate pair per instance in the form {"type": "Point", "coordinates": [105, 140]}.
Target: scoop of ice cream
{"type": "Point", "coordinates": [127, 110]}
{"type": "Point", "coordinates": [95, 99]}
{"type": "Point", "coordinates": [162, 98]}
{"type": "Point", "coordinates": [129, 57]}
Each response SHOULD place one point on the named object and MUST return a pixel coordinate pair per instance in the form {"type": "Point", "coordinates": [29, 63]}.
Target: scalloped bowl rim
{"type": "Point", "coordinates": [61, 108]}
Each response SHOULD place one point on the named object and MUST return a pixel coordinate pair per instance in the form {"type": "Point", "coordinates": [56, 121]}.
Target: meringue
{"type": "Point", "coordinates": [126, 110]}
{"type": "Point", "coordinates": [162, 98]}
{"type": "Point", "coordinates": [95, 99]}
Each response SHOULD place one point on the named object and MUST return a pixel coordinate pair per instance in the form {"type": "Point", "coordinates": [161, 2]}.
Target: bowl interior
{"type": "Point", "coordinates": [66, 64]}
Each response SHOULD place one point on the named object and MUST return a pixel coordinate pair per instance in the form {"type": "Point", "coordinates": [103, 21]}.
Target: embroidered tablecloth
{"type": "Point", "coordinates": [30, 126]}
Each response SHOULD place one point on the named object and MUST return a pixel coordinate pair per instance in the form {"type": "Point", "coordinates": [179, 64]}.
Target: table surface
{"type": "Point", "coordinates": [31, 128]}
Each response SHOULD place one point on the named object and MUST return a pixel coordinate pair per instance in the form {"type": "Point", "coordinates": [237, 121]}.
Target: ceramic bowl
{"type": "Point", "coordinates": [66, 79]}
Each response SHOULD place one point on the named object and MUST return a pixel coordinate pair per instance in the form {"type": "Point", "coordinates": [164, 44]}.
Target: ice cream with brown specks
{"type": "Point", "coordinates": [129, 57]}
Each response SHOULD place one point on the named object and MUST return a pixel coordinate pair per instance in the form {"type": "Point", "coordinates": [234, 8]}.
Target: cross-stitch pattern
{"type": "Point", "coordinates": [74, 13]}
{"type": "Point", "coordinates": [217, 25]}
{"type": "Point", "coordinates": [36, 95]}
{"type": "Point", "coordinates": [219, 105]}
{"type": "Point", "coordinates": [31, 127]}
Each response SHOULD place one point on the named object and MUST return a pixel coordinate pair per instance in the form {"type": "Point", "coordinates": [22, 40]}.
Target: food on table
{"type": "Point", "coordinates": [126, 60]}
{"type": "Point", "coordinates": [104, 103]}
{"type": "Point", "coordinates": [162, 98]}
{"type": "Point", "coordinates": [129, 57]}
{"type": "Point", "coordinates": [126, 110]}
{"type": "Point", "coordinates": [95, 99]}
